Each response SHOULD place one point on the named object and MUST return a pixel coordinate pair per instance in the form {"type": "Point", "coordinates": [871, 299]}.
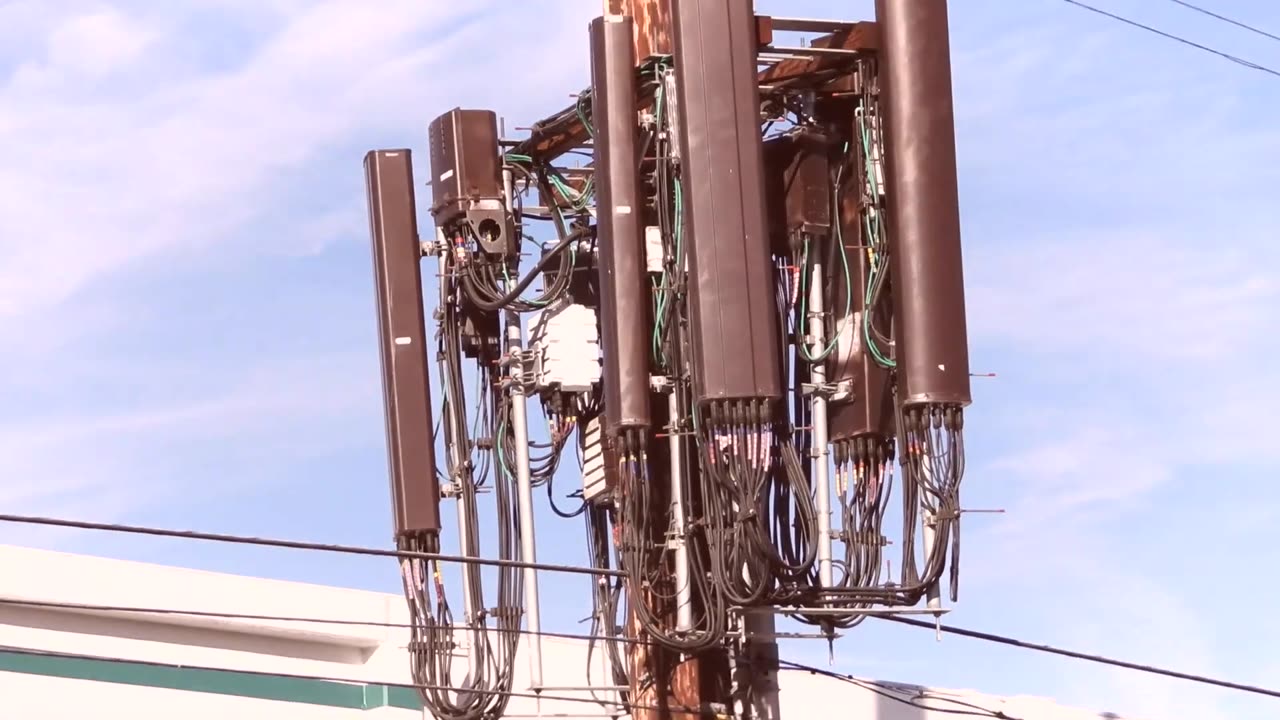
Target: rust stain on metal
{"type": "Point", "coordinates": [686, 688]}
{"type": "Point", "coordinates": [552, 140]}
{"type": "Point", "coordinates": [862, 36]}
{"type": "Point", "coordinates": [764, 30]}
{"type": "Point", "coordinates": [665, 685]}
{"type": "Point", "coordinates": [575, 178]}
{"type": "Point", "coordinates": [651, 22]}
{"type": "Point", "coordinates": [644, 693]}
{"type": "Point", "coordinates": [652, 28]}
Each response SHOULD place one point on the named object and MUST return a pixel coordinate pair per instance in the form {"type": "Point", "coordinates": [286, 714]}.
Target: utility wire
{"type": "Point", "coordinates": [31, 652]}
{"type": "Point", "coordinates": [1225, 19]}
{"type": "Point", "coordinates": [1134, 23]}
{"type": "Point", "coordinates": [898, 694]}
{"type": "Point", "coordinates": [323, 547]}
{"type": "Point", "coordinates": [1101, 659]}
{"type": "Point", "coordinates": [978, 635]}
{"type": "Point", "coordinates": [302, 545]}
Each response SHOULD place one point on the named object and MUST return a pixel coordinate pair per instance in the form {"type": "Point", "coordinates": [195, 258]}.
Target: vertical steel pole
{"type": "Point", "coordinates": [524, 482]}
{"type": "Point", "coordinates": [933, 593]}
{"type": "Point", "coordinates": [818, 400]}
{"type": "Point", "coordinates": [470, 603]}
{"type": "Point", "coordinates": [684, 592]}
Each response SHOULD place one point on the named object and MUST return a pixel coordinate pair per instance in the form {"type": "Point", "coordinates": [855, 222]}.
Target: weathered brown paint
{"type": "Point", "coordinates": [575, 178]}
{"type": "Point", "coordinates": [930, 336]}
{"type": "Point", "coordinates": [732, 309]}
{"type": "Point", "coordinates": [651, 23]}
{"type": "Point", "coordinates": [863, 36]}
{"type": "Point", "coordinates": [550, 140]}
{"type": "Point", "coordinates": [764, 30]}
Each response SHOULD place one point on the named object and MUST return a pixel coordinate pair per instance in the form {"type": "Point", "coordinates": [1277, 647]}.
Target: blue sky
{"type": "Point", "coordinates": [187, 316]}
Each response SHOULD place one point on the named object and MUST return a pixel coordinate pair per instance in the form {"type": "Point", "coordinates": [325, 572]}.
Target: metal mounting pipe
{"type": "Point", "coordinates": [818, 401]}
{"type": "Point", "coordinates": [933, 593]}
{"type": "Point", "coordinates": [787, 24]}
{"type": "Point", "coordinates": [684, 591]}
{"type": "Point", "coordinates": [810, 51]}
{"type": "Point", "coordinates": [524, 480]}
{"type": "Point", "coordinates": [524, 498]}
{"type": "Point", "coordinates": [870, 611]}
{"type": "Point", "coordinates": [470, 603]}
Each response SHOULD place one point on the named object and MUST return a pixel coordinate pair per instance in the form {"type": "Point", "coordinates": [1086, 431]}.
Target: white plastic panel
{"type": "Point", "coordinates": [565, 344]}
{"type": "Point", "coordinates": [593, 480]}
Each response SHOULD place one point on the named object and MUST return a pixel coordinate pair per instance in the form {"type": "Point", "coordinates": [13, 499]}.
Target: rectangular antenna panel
{"type": "Point", "coordinates": [732, 286]}
{"type": "Point", "coordinates": [402, 341]}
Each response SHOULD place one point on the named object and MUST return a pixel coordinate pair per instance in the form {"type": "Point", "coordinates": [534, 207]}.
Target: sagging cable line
{"type": "Point", "coordinates": [299, 544]}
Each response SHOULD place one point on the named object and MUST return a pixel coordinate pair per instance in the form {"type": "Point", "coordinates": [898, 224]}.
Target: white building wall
{"type": "Point", "coordinates": [365, 656]}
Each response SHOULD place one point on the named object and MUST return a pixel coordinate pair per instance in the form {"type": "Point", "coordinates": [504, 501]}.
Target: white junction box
{"type": "Point", "coordinates": [565, 344]}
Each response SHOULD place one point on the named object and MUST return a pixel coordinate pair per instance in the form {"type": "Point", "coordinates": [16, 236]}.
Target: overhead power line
{"type": "Point", "coordinates": [1225, 19]}
{"type": "Point", "coordinates": [1088, 657]}
{"type": "Point", "coordinates": [325, 547]}
{"type": "Point", "coordinates": [302, 545]}
{"type": "Point", "coordinates": [1176, 38]}
{"type": "Point", "coordinates": [898, 693]}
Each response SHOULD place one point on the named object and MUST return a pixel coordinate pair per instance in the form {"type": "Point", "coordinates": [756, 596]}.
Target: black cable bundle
{"type": "Point", "coordinates": [649, 574]}
{"type": "Point", "coordinates": [749, 478]}
{"type": "Point", "coordinates": [933, 465]}
{"type": "Point", "coordinates": [486, 690]}
{"type": "Point", "coordinates": [864, 483]}
{"type": "Point", "coordinates": [606, 600]}
{"type": "Point", "coordinates": [483, 280]}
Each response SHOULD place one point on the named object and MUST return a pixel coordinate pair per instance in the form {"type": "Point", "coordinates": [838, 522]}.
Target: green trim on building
{"type": "Point", "coordinates": [356, 696]}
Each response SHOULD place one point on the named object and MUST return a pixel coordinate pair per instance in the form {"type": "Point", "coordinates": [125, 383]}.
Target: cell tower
{"type": "Point", "coordinates": [748, 314]}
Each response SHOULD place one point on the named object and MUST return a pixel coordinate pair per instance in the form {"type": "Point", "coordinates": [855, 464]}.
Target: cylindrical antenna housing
{"type": "Point", "coordinates": [624, 298]}
{"type": "Point", "coordinates": [923, 198]}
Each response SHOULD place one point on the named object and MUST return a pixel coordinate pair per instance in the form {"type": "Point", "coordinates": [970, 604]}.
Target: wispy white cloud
{"type": "Point", "coordinates": [96, 44]}
{"type": "Point", "coordinates": [1144, 622]}
{"type": "Point", "coordinates": [104, 184]}
{"type": "Point", "coordinates": [146, 142]}
{"type": "Point", "coordinates": [154, 453]}
{"type": "Point", "coordinates": [1123, 283]}
{"type": "Point", "coordinates": [179, 163]}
